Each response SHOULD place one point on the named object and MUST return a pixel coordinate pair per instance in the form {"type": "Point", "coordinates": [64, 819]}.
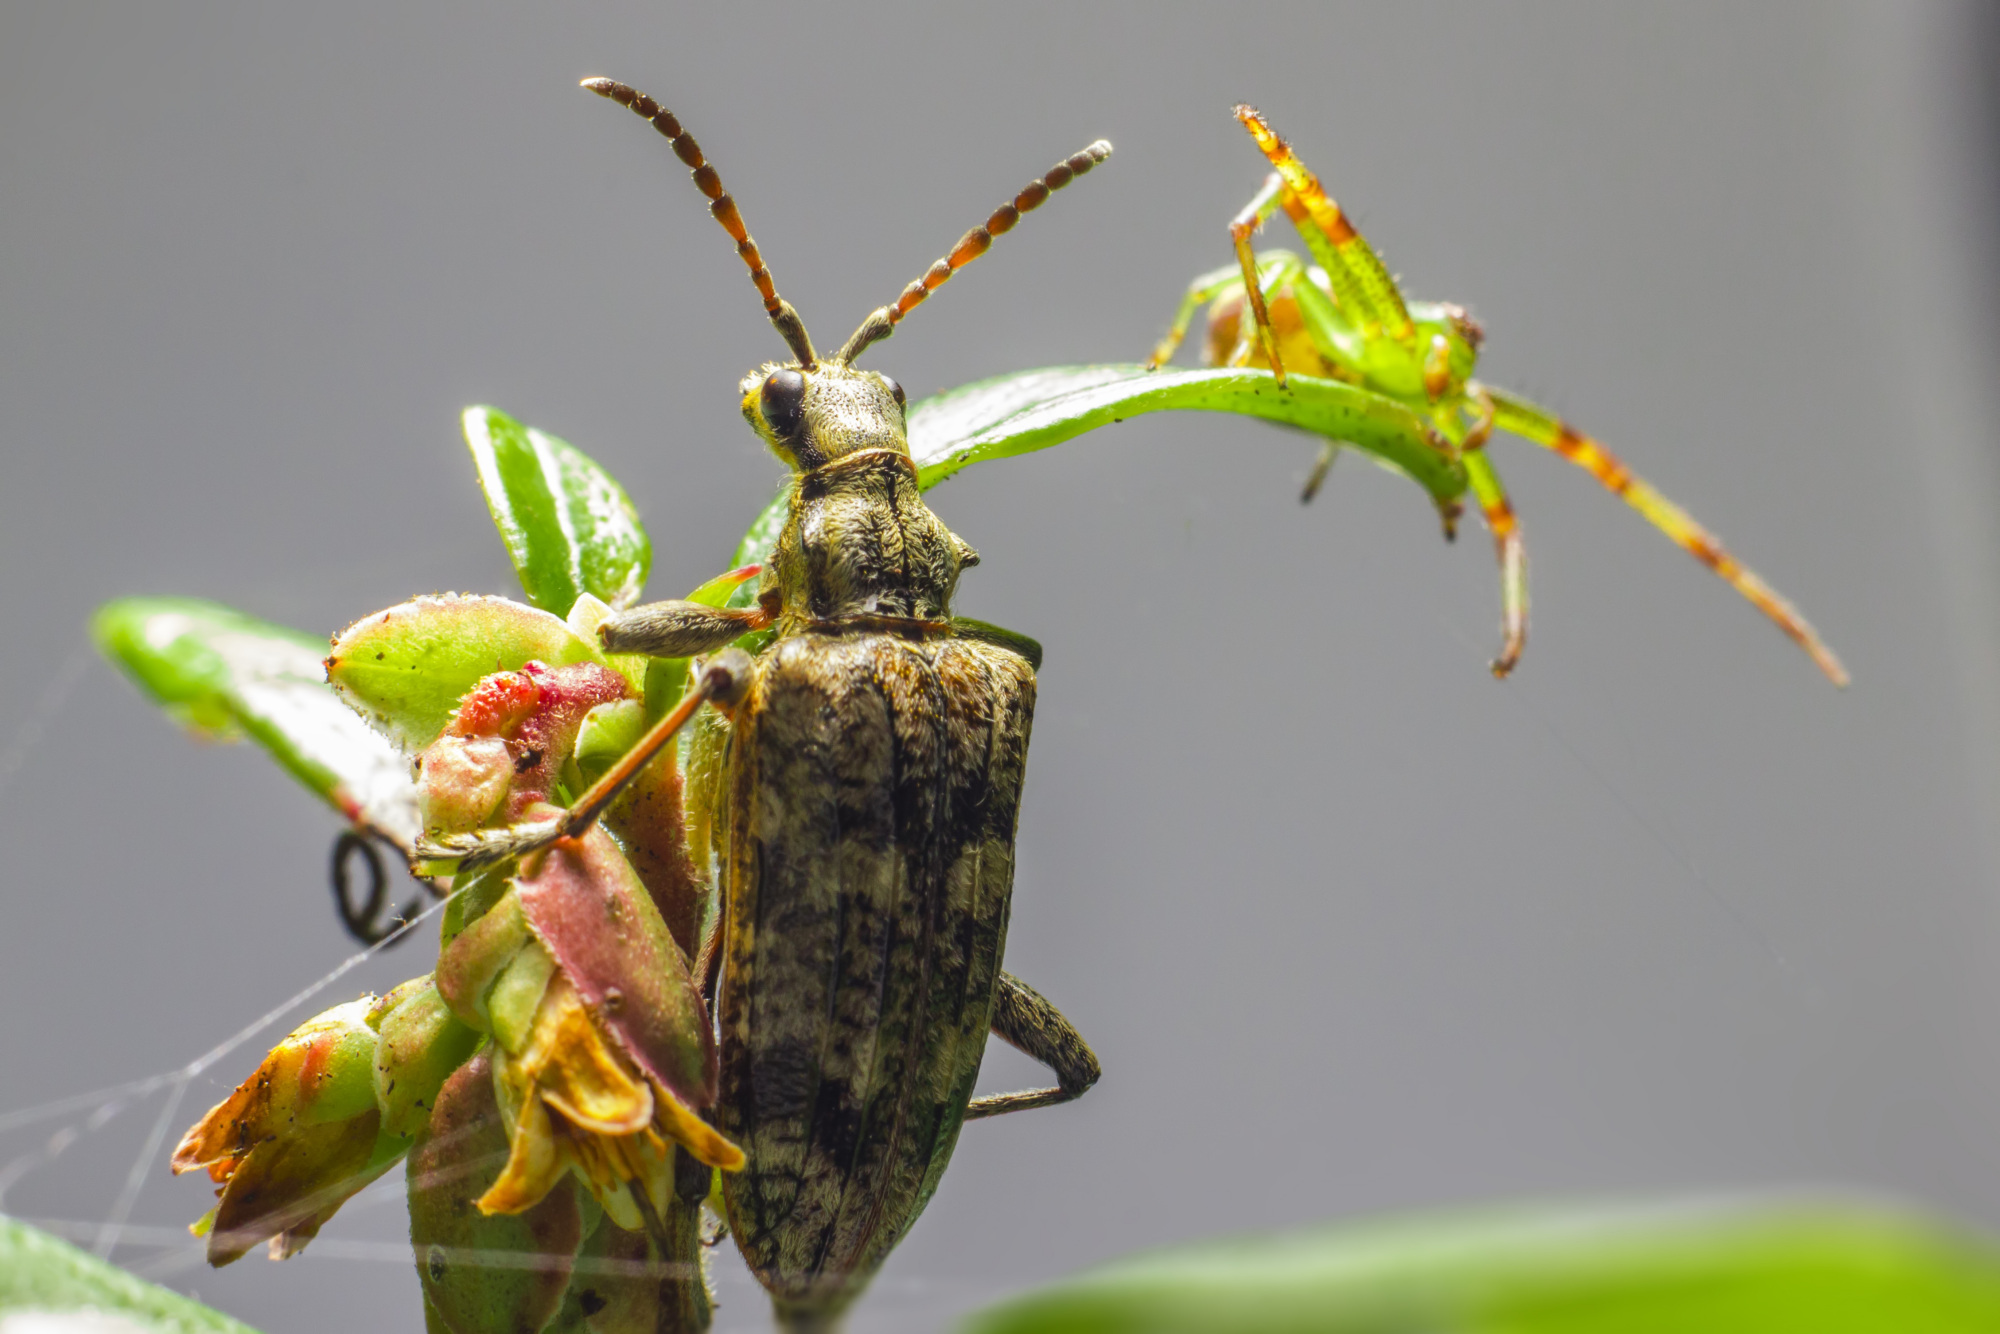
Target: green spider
{"type": "Point", "coordinates": [1342, 317]}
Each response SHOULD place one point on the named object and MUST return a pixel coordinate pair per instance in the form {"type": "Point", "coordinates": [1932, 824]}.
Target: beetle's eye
{"type": "Point", "coordinates": [783, 402]}
{"type": "Point", "coordinates": [895, 389]}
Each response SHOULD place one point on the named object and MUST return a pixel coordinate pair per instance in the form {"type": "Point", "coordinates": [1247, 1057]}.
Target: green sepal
{"type": "Point", "coordinates": [419, 1042]}
{"type": "Point", "coordinates": [569, 527]}
{"type": "Point", "coordinates": [472, 897]}
{"type": "Point", "coordinates": [468, 966]}
{"type": "Point", "coordinates": [608, 731]}
{"type": "Point", "coordinates": [40, 1273]}
{"type": "Point", "coordinates": [583, 620]}
{"type": "Point", "coordinates": [1808, 1267]}
{"type": "Point", "coordinates": [454, 1160]}
{"type": "Point", "coordinates": [405, 669]}
{"type": "Point", "coordinates": [1031, 410]}
{"type": "Point", "coordinates": [344, 1085]}
{"type": "Point", "coordinates": [516, 995]}
{"type": "Point", "coordinates": [227, 675]}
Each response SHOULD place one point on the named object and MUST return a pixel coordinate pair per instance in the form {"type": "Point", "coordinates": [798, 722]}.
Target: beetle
{"type": "Point", "coordinates": [872, 751]}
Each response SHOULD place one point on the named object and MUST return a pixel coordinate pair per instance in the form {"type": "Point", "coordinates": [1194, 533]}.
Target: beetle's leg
{"type": "Point", "coordinates": [1508, 548]}
{"type": "Point", "coordinates": [722, 681]}
{"type": "Point", "coordinates": [1022, 1019]}
{"type": "Point", "coordinates": [1361, 282]}
{"type": "Point", "coordinates": [1530, 422]}
{"type": "Point", "coordinates": [675, 629]}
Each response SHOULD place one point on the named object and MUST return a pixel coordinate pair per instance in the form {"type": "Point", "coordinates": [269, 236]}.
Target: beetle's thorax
{"type": "Point", "coordinates": [859, 541]}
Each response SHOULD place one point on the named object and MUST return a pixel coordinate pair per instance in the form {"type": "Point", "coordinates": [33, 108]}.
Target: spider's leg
{"type": "Point", "coordinates": [1530, 422]}
{"type": "Point", "coordinates": [1241, 228]}
{"type": "Point", "coordinates": [1329, 450]}
{"type": "Point", "coordinates": [1361, 282]}
{"type": "Point", "coordinates": [1211, 285]}
{"type": "Point", "coordinates": [1508, 548]}
{"type": "Point", "coordinates": [1200, 292]}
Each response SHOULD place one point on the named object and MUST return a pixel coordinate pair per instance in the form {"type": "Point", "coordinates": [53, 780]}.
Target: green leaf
{"type": "Point", "coordinates": [1018, 414]}
{"type": "Point", "coordinates": [567, 523]}
{"type": "Point", "coordinates": [229, 675]}
{"type": "Point", "coordinates": [762, 539]}
{"type": "Point", "coordinates": [40, 1273]}
{"type": "Point", "coordinates": [405, 669]}
{"type": "Point", "coordinates": [1031, 410]}
{"type": "Point", "coordinates": [1805, 1267]}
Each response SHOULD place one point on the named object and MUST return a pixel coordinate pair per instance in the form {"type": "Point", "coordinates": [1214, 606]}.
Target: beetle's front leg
{"type": "Point", "coordinates": [722, 682]}
{"type": "Point", "coordinates": [1024, 1020]}
{"type": "Point", "coordinates": [676, 629]}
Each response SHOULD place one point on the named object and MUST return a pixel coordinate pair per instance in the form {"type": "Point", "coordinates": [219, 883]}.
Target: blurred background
{"type": "Point", "coordinates": [1352, 927]}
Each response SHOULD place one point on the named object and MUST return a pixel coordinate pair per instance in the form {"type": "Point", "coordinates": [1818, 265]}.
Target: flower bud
{"type": "Point", "coordinates": [419, 1042]}
{"type": "Point", "coordinates": [462, 781]}
{"type": "Point", "coordinates": [295, 1140]}
{"type": "Point", "coordinates": [449, 1165]}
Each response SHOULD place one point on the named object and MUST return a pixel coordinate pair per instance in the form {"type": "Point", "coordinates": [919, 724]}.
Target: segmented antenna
{"type": "Point", "coordinates": [722, 206]}
{"type": "Point", "coordinates": [971, 246]}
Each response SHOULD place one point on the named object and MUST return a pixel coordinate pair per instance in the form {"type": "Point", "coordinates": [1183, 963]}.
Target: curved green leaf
{"type": "Point", "coordinates": [1809, 1267]}
{"type": "Point", "coordinates": [228, 675]}
{"type": "Point", "coordinates": [567, 523]}
{"type": "Point", "coordinates": [1020, 413]}
{"type": "Point", "coordinates": [40, 1273]}
{"type": "Point", "coordinates": [762, 538]}
{"type": "Point", "coordinates": [406, 668]}
{"type": "Point", "coordinates": [1031, 410]}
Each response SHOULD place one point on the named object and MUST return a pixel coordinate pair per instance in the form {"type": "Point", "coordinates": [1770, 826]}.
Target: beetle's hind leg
{"type": "Point", "coordinates": [1022, 1019]}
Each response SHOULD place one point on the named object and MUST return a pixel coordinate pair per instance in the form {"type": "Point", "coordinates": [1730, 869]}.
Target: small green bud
{"type": "Point", "coordinates": [419, 1043]}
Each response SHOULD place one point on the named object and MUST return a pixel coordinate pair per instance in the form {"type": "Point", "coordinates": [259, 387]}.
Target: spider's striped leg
{"type": "Point", "coordinates": [1361, 282]}
{"type": "Point", "coordinates": [1211, 285]}
{"type": "Point", "coordinates": [1241, 228]}
{"type": "Point", "coordinates": [1200, 292]}
{"type": "Point", "coordinates": [1508, 548]}
{"type": "Point", "coordinates": [1530, 422]}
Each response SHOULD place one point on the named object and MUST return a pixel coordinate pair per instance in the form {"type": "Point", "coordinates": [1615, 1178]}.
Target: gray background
{"type": "Point", "coordinates": [1352, 927]}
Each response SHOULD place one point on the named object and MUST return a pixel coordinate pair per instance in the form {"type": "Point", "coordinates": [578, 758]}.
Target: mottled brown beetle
{"type": "Point", "coordinates": [863, 815]}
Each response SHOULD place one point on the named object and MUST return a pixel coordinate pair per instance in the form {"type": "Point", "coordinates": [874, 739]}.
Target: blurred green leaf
{"type": "Point", "coordinates": [39, 1273]}
{"type": "Point", "coordinates": [1747, 1267]}
{"type": "Point", "coordinates": [567, 523]}
{"type": "Point", "coordinates": [229, 675]}
{"type": "Point", "coordinates": [406, 668]}
{"type": "Point", "coordinates": [1031, 410]}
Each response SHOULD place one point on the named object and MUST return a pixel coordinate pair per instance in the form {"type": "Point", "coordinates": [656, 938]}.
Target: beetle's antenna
{"type": "Point", "coordinates": [787, 320]}
{"type": "Point", "coordinates": [970, 247]}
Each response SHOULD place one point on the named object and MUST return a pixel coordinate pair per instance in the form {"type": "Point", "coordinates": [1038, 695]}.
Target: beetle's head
{"type": "Point", "coordinates": [811, 410]}
{"type": "Point", "coordinates": [810, 415]}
